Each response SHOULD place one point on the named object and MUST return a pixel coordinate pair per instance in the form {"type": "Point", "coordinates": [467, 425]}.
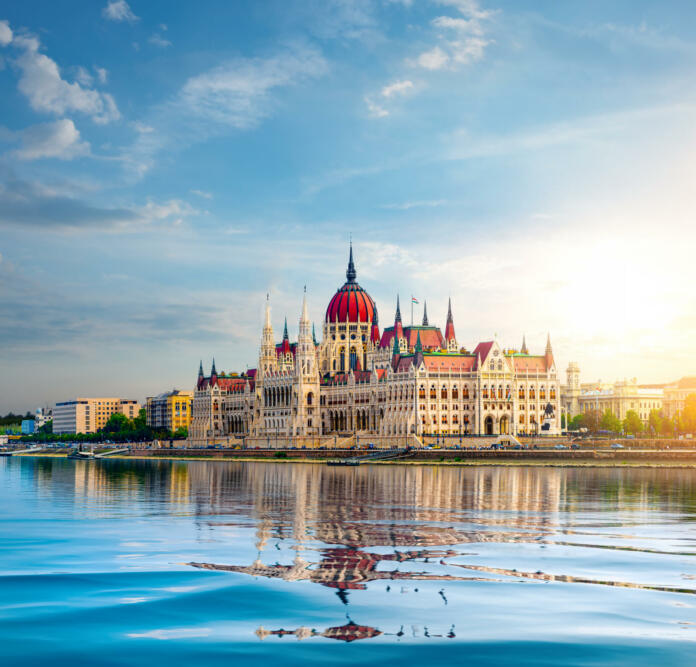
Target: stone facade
{"type": "Point", "coordinates": [358, 381]}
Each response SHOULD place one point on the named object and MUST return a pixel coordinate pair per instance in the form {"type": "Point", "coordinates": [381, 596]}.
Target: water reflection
{"type": "Point", "coordinates": [374, 527]}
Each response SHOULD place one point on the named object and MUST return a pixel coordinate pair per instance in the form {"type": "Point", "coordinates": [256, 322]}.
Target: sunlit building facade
{"type": "Point", "coordinates": [402, 380]}
{"type": "Point", "coordinates": [88, 415]}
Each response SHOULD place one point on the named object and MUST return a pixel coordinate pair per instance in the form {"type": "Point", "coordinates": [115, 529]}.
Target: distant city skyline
{"type": "Point", "coordinates": [164, 167]}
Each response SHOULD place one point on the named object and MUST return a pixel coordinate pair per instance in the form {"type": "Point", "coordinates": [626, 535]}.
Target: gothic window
{"type": "Point", "coordinates": [521, 419]}
{"type": "Point", "coordinates": [455, 419]}
{"type": "Point", "coordinates": [455, 392]}
{"type": "Point", "coordinates": [552, 393]}
{"type": "Point", "coordinates": [353, 358]}
{"type": "Point", "coordinates": [433, 393]}
{"type": "Point", "coordinates": [542, 393]}
{"type": "Point", "coordinates": [532, 393]}
{"type": "Point", "coordinates": [485, 391]}
{"type": "Point", "coordinates": [444, 419]}
{"type": "Point", "coordinates": [465, 393]}
{"type": "Point", "coordinates": [520, 393]}
{"type": "Point", "coordinates": [310, 397]}
{"type": "Point", "coordinates": [443, 393]}
{"type": "Point", "coordinates": [342, 354]}
{"type": "Point", "coordinates": [500, 391]}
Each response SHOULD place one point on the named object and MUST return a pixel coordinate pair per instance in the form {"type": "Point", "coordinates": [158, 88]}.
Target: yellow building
{"type": "Point", "coordinates": [88, 415]}
{"type": "Point", "coordinates": [170, 410]}
{"type": "Point", "coordinates": [676, 393]}
{"type": "Point", "coordinates": [621, 397]}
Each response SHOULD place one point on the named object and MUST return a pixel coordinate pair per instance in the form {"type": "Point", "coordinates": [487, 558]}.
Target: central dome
{"type": "Point", "coordinates": [351, 303]}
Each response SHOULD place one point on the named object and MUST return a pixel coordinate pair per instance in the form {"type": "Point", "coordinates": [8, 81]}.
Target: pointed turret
{"type": "Point", "coordinates": [548, 354]}
{"type": "Point", "coordinates": [398, 326]}
{"type": "Point", "coordinates": [419, 346]}
{"type": "Point", "coordinates": [267, 318]}
{"type": "Point", "coordinates": [267, 356]}
{"type": "Point", "coordinates": [425, 313]}
{"type": "Point", "coordinates": [314, 335]}
{"type": "Point", "coordinates": [374, 332]}
{"type": "Point", "coordinates": [200, 370]}
{"type": "Point", "coordinates": [449, 329]}
{"type": "Point", "coordinates": [351, 273]}
{"type": "Point", "coordinates": [213, 372]}
{"type": "Point", "coordinates": [305, 315]}
{"type": "Point", "coordinates": [524, 349]}
{"type": "Point", "coordinates": [285, 331]}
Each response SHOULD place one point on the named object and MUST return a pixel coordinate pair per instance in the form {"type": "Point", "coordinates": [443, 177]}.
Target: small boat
{"type": "Point", "coordinates": [77, 454]}
{"type": "Point", "coordinates": [343, 462]}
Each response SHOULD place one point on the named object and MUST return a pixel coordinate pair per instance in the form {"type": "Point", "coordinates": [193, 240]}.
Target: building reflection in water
{"type": "Point", "coordinates": [337, 519]}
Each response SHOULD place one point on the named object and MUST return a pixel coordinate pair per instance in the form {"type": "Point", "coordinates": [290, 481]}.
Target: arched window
{"type": "Point", "coordinates": [444, 419]}
{"type": "Point", "coordinates": [542, 392]}
{"type": "Point", "coordinates": [433, 393]}
{"type": "Point", "coordinates": [443, 393]}
{"type": "Point", "coordinates": [353, 358]}
{"type": "Point", "coordinates": [455, 392]}
{"type": "Point", "coordinates": [520, 393]}
{"type": "Point", "coordinates": [532, 393]}
{"type": "Point", "coordinates": [421, 392]}
{"type": "Point", "coordinates": [500, 391]}
{"type": "Point", "coordinates": [552, 393]}
{"type": "Point", "coordinates": [465, 393]}
{"type": "Point", "coordinates": [485, 391]}
{"type": "Point", "coordinates": [521, 419]}
{"type": "Point", "coordinates": [310, 397]}
{"type": "Point", "coordinates": [342, 357]}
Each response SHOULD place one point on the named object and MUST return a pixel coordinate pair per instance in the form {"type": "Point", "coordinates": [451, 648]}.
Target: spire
{"type": "Point", "coordinates": [314, 335]}
{"type": "Point", "coordinates": [425, 314]}
{"type": "Point", "coordinates": [200, 369]}
{"type": "Point", "coordinates": [548, 344]}
{"type": "Point", "coordinates": [419, 347]}
{"type": "Point", "coordinates": [212, 370]}
{"type": "Point", "coordinates": [449, 328]}
{"type": "Point", "coordinates": [305, 314]}
{"type": "Point", "coordinates": [397, 317]}
{"type": "Point", "coordinates": [267, 320]}
{"type": "Point", "coordinates": [395, 349]}
{"type": "Point", "coordinates": [285, 330]}
{"type": "Point", "coordinates": [524, 349]}
{"type": "Point", "coordinates": [374, 332]}
{"type": "Point", "coordinates": [549, 353]}
{"type": "Point", "coordinates": [351, 273]}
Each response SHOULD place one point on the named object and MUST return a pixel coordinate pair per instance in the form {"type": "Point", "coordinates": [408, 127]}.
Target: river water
{"type": "Point", "coordinates": [193, 563]}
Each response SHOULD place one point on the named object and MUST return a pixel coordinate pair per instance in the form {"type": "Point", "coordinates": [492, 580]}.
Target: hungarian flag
{"type": "Point", "coordinates": [414, 300]}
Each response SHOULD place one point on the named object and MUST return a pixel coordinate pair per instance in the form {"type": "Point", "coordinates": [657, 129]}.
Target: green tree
{"type": "Point", "coordinates": [688, 414]}
{"type": "Point", "coordinates": [117, 423]}
{"type": "Point", "coordinates": [632, 423]}
{"type": "Point", "coordinates": [667, 426]}
{"type": "Point", "coordinates": [563, 421]}
{"type": "Point", "coordinates": [655, 421]}
{"type": "Point", "coordinates": [610, 422]}
{"type": "Point", "coordinates": [576, 423]}
{"type": "Point", "coordinates": [591, 420]}
{"type": "Point", "coordinates": [140, 422]}
{"type": "Point", "coordinates": [47, 427]}
{"type": "Point", "coordinates": [181, 432]}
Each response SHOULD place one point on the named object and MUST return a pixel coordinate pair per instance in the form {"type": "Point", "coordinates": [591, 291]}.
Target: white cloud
{"type": "Point", "coordinates": [434, 59]}
{"type": "Point", "coordinates": [430, 203]}
{"type": "Point", "coordinates": [375, 110]}
{"type": "Point", "coordinates": [173, 211]}
{"type": "Point", "coordinates": [238, 93]}
{"type": "Point", "coordinates": [141, 128]}
{"type": "Point", "coordinates": [201, 193]}
{"type": "Point", "coordinates": [83, 77]}
{"type": "Point", "coordinates": [463, 40]}
{"type": "Point", "coordinates": [397, 88]}
{"type": "Point", "coordinates": [41, 83]}
{"type": "Point", "coordinates": [5, 33]}
{"type": "Point", "coordinates": [102, 74]}
{"type": "Point", "coordinates": [60, 139]}
{"type": "Point", "coordinates": [158, 40]}
{"type": "Point", "coordinates": [119, 10]}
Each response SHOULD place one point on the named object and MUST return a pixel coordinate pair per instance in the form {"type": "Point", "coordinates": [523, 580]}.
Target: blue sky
{"type": "Point", "coordinates": [164, 165]}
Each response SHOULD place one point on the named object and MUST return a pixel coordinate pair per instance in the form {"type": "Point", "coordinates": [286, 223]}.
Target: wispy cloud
{"type": "Point", "coordinates": [60, 139]}
{"type": "Point", "coordinates": [120, 11]}
{"type": "Point", "coordinates": [461, 40]}
{"type": "Point", "coordinates": [202, 193]}
{"type": "Point", "coordinates": [237, 95]}
{"type": "Point", "coordinates": [42, 84]}
{"type": "Point", "coordinates": [160, 41]}
{"type": "Point", "coordinates": [374, 109]}
{"type": "Point", "coordinates": [405, 206]}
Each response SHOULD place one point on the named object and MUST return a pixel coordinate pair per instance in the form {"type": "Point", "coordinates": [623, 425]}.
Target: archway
{"type": "Point", "coordinates": [489, 425]}
{"type": "Point", "coordinates": [504, 426]}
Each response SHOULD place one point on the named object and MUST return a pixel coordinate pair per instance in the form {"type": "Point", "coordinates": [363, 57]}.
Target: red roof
{"type": "Point", "coordinates": [351, 303]}
{"type": "Point", "coordinates": [454, 363]}
{"type": "Point", "coordinates": [529, 364]}
{"type": "Point", "coordinates": [483, 349]}
{"type": "Point", "coordinates": [431, 337]}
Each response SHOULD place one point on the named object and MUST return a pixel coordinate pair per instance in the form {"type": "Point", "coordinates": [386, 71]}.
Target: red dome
{"type": "Point", "coordinates": [350, 304]}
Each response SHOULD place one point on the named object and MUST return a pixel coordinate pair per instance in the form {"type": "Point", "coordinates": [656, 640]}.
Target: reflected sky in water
{"type": "Point", "coordinates": [130, 562]}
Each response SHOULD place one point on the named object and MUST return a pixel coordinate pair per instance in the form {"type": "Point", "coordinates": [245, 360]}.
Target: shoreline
{"type": "Point", "coordinates": [556, 462]}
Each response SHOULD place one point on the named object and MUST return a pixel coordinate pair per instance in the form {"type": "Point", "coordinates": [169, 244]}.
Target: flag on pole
{"type": "Point", "coordinates": [414, 300]}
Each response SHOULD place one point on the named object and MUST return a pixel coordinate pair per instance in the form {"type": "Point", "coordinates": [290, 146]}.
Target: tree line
{"type": "Point", "coordinates": [658, 424]}
{"type": "Point", "coordinates": [118, 428]}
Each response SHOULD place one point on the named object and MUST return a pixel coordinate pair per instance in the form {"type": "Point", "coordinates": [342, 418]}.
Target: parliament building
{"type": "Point", "coordinates": [360, 381]}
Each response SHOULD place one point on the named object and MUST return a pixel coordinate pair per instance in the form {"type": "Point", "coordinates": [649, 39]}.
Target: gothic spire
{"type": "Point", "coordinates": [200, 369]}
{"type": "Point", "coordinates": [305, 314]}
{"type": "Point", "coordinates": [351, 273]}
{"type": "Point", "coordinates": [419, 347]}
{"type": "Point", "coordinates": [425, 314]}
{"type": "Point", "coordinates": [212, 370]}
{"type": "Point", "coordinates": [314, 335]}
{"type": "Point", "coordinates": [397, 317]}
{"type": "Point", "coordinates": [285, 330]}
{"type": "Point", "coordinates": [524, 349]}
{"type": "Point", "coordinates": [449, 328]}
